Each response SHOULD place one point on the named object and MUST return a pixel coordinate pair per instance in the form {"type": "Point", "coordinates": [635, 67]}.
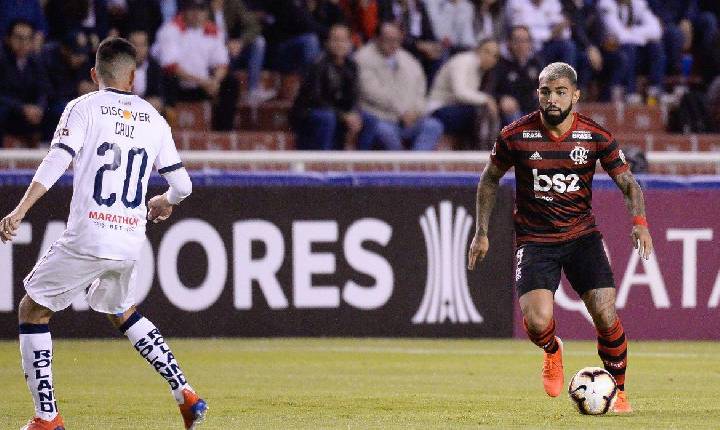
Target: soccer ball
{"type": "Point", "coordinates": [593, 390]}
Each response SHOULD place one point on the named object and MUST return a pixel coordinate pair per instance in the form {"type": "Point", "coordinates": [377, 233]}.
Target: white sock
{"type": "Point", "coordinates": [148, 341]}
{"type": "Point", "coordinates": [36, 354]}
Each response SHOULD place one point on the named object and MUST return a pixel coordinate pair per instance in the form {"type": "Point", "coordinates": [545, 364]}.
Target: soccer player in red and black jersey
{"type": "Point", "coordinates": [554, 151]}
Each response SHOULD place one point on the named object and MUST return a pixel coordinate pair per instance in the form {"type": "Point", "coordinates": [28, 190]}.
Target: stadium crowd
{"type": "Point", "coordinates": [375, 74]}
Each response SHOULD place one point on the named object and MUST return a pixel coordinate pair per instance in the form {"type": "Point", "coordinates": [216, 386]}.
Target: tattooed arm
{"type": "Point", "coordinates": [635, 202]}
{"type": "Point", "coordinates": [485, 200]}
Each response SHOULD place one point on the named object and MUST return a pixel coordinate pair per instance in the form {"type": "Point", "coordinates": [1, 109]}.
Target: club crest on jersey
{"type": "Point", "coordinates": [582, 135]}
{"type": "Point", "coordinates": [579, 155]}
{"type": "Point", "coordinates": [531, 134]}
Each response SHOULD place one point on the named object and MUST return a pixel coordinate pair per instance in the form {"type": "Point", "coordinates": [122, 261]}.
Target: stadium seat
{"type": "Point", "coordinates": [239, 140]}
{"type": "Point", "coordinates": [191, 116]}
{"type": "Point", "coordinates": [269, 116]}
{"type": "Point", "coordinates": [625, 118]}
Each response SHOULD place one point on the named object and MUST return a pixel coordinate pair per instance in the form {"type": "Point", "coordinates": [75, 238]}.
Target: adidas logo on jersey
{"type": "Point", "coordinates": [536, 156]}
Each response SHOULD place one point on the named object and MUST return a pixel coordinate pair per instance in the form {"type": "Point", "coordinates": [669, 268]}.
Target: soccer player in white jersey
{"type": "Point", "coordinates": [112, 137]}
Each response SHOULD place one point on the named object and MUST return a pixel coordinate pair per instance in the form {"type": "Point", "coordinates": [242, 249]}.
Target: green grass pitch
{"type": "Point", "coordinates": [363, 384]}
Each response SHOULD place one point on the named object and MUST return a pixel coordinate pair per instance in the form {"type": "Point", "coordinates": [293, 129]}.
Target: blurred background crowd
{"type": "Point", "coordinates": [369, 74]}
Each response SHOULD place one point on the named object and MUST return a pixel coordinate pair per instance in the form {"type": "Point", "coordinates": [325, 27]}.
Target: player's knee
{"type": "Point", "coordinates": [31, 312]}
{"type": "Point", "coordinates": [605, 318]}
{"type": "Point", "coordinates": [118, 320]}
{"type": "Point", "coordinates": [538, 320]}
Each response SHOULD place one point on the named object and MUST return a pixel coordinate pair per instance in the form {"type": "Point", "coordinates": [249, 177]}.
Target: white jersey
{"type": "Point", "coordinates": [114, 138]}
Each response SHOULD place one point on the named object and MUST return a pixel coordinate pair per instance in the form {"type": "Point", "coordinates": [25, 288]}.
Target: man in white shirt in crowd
{"type": "Point", "coordinates": [633, 44]}
{"type": "Point", "coordinates": [191, 49]}
{"type": "Point", "coordinates": [549, 28]}
{"type": "Point", "coordinates": [112, 136]}
{"type": "Point", "coordinates": [452, 22]}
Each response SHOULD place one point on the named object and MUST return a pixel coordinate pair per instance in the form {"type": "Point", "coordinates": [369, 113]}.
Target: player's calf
{"type": "Point", "coordinates": [151, 345]}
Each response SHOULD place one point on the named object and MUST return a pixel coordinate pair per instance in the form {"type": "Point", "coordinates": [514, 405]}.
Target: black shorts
{"type": "Point", "coordinates": [583, 260]}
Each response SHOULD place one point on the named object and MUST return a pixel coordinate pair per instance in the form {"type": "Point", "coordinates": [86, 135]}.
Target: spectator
{"type": "Point", "coordinates": [517, 77]}
{"type": "Point", "coordinates": [412, 18]}
{"type": "Point", "coordinates": [168, 9]}
{"type": "Point", "coordinates": [712, 104]}
{"type": "Point", "coordinates": [326, 13]}
{"type": "Point", "coordinates": [363, 17]}
{"type": "Point", "coordinates": [148, 82]}
{"type": "Point", "coordinates": [456, 100]}
{"type": "Point", "coordinates": [452, 22]}
{"type": "Point", "coordinates": [326, 112]}
{"type": "Point", "coordinates": [89, 16]}
{"type": "Point", "coordinates": [392, 88]}
{"type": "Point", "coordinates": [28, 10]}
{"type": "Point", "coordinates": [586, 30]}
{"type": "Point", "coordinates": [685, 28]}
{"type": "Point", "coordinates": [23, 83]}
{"type": "Point", "coordinates": [192, 51]}
{"type": "Point", "coordinates": [549, 28]}
{"type": "Point", "coordinates": [245, 44]}
{"type": "Point", "coordinates": [131, 15]}
{"type": "Point", "coordinates": [712, 6]}
{"type": "Point", "coordinates": [68, 67]}
{"type": "Point", "coordinates": [633, 41]}
{"type": "Point", "coordinates": [293, 34]}
{"type": "Point", "coordinates": [489, 19]}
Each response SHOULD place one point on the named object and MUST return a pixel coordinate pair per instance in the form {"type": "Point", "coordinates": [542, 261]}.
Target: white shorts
{"type": "Point", "coordinates": [61, 275]}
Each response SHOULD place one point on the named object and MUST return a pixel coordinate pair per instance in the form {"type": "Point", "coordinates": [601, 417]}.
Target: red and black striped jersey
{"type": "Point", "coordinates": [553, 175]}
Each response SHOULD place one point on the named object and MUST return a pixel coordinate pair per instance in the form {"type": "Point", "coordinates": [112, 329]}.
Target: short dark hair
{"type": "Point", "coordinates": [524, 28]}
{"type": "Point", "coordinates": [111, 54]}
{"type": "Point", "coordinates": [19, 21]}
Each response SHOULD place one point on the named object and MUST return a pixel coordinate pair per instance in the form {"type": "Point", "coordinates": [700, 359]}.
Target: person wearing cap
{"type": "Point", "coordinates": [191, 50]}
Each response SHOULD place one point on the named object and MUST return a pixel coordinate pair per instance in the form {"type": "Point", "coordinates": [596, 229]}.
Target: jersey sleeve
{"type": "Point", "coordinates": [500, 154]}
{"type": "Point", "coordinates": [612, 158]}
{"type": "Point", "coordinates": [168, 159]}
{"type": "Point", "coordinates": [71, 129]}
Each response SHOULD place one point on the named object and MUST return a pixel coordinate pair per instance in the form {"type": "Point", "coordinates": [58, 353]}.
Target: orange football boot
{"type": "Point", "coordinates": [552, 372]}
{"type": "Point", "coordinates": [193, 409]}
{"type": "Point", "coordinates": [40, 424]}
{"type": "Point", "coordinates": [622, 404]}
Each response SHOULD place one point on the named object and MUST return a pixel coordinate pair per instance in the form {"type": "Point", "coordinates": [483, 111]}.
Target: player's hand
{"type": "Point", "coordinates": [642, 241]}
{"type": "Point", "coordinates": [478, 248]}
{"type": "Point", "coordinates": [159, 209]}
{"type": "Point", "coordinates": [9, 225]}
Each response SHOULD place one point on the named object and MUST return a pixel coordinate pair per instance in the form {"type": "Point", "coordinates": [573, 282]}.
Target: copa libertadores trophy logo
{"type": "Point", "coordinates": [447, 297]}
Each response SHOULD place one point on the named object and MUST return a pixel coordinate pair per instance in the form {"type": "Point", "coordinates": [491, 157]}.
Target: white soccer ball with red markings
{"type": "Point", "coordinates": [593, 390]}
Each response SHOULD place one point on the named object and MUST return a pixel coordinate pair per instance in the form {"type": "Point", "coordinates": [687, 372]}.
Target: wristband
{"type": "Point", "coordinates": [640, 220]}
